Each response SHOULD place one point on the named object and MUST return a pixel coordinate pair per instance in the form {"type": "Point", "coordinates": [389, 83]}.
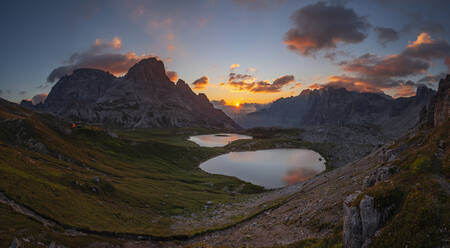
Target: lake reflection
{"type": "Point", "coordinates": [268, 168]}
{"type": "Point", "coordinates": [216, 140]}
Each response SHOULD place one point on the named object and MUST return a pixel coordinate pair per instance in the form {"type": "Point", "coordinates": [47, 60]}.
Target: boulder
{"type": "Point", "coordinates": [352, 230]}
{"type": "Point", "coordinates": [360, 221]}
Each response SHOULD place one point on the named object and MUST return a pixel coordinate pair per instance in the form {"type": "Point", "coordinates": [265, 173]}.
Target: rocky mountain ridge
{"type": "Point", "coordinates": [338, 106]}
{"type": "Point", "coordinates": [144, 97]}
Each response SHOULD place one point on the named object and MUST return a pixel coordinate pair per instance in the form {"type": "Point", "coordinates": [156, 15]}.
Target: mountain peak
{"type": "Point", "coordinates": [149, 69]}
{"type": "Point", "coordinates": [424, 91]}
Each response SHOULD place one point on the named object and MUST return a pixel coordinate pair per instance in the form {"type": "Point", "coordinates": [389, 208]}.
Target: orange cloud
{"type": "Point", "coordinates": [234, 66]}
{"type": "Point", "coordinates": [170, 47]}
{"type": "Point", "coordinates": [116, 43]}
{"type": "Point", "coordinates": [100, 45]}
{"type": "Point", "coordinates": [315, 86]}
{"type": "Point", "coordinates": [172, 75]}
{"type": "Point", "coordinates": [201, 83]}
{"type": "Point", "coordinates": [423, 38]}
{"type": "Point", "coordinates": [405, 91]}
{"type": "Point", "coordinates": [171, 36]}
{"type": "Point", "coordinates": [297, 85]}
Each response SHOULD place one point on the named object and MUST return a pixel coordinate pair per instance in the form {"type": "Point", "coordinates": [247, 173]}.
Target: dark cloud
{"type": "Point", "coordinates": [100, 56]}
{"type": "Point", "coordinates": [401, 88]}
{"type": "Point", "coordinates": [424, 47]}
{"type": "Point", "coordinates": [397, 65]}
{"type": "Point", "coordinates": [245, 82]}
{"type": "Point", "coordinates": [201, 83]}
{"type": "Point", "coordinates": [23, 92]}
{"type": "Point", "coordinates": [236, 76]}
{"type": "Point", "coordinates": [350, 83]}
{"type": "Point", "coordinates": [322, 26]}
{"type": "Point", "coordinates": [431, 79]}
{"type": "Point", "coordinates": [275, 86]}
{"type": "Point", "coordinates": [172, 75]}
{"type": "Point", "coordinates": [386, 35]}
{"type": "Point", "coordinates": [39, 98]}
{"type": "Point", "coordinates": [374, 72]}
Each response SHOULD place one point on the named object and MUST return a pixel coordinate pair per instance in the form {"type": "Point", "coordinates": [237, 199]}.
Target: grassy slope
{"type": "Point", "coordinates": [15, 225]}
{"type": "Point", "coordinates": [142, 182]}
{"type": "Point", "coordinates": [417, 196]}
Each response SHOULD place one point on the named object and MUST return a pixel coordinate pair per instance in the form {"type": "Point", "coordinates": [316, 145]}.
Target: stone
{"type": "Point", "coordinates": [352, 229]}
{"type": "Point", "coordinates": [361, 222]}
{"type": "Point", "coordinates": [381, 174]}
{"type": "Point", "coordinates": [370, 217]}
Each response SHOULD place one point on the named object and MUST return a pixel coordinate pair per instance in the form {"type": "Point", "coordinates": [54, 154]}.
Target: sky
{"type": "Point", "coordinates": [246, 51]}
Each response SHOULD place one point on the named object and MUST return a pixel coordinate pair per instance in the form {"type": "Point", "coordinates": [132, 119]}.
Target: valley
{"type": "Point", "coordinates": [98, 180]}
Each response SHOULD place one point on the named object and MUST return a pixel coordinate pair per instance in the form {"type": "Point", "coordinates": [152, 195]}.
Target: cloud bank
{"type": "Point", "coordinates": [323, 26]}
{"type": "Point", "coordinates": [247, 82]}
{"type": "Point", "coordinates": [101, 55]}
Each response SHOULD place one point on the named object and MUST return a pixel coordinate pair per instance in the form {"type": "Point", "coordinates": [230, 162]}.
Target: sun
{"type": "Point", "coordinates": [237, 105]}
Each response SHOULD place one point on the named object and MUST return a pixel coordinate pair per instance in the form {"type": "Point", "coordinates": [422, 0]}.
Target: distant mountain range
{"type": "Point", "coordinates": [338, 106]}
{"type": "Point", "coordinates": [144, 97]}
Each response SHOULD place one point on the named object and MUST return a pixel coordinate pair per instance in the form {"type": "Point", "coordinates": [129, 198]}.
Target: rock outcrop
{"type": "Point", "coordinates": [144, 97]}
{"type": "Point", "coordinates": [360, 221]}
{"type": "Point", "coordinates": [437, 111]}
{"type": "Point", "coordinates": [379, 175]}
{"type": "Point", "coordinates": [442, 102]}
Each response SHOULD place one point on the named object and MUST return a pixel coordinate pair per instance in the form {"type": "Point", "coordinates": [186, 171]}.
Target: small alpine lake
{"type": "Point", "coordinates": [271, 169]}
{"type": "Point", "coordinates": [217, 140]}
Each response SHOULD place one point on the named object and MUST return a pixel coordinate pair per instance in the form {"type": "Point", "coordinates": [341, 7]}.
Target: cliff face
{"type": "Point", "coordinates": [442, 102]}
{"type": "Point", "coordinates": [338, 106]}
{"type": "Point", "coordinates": [144, 97]}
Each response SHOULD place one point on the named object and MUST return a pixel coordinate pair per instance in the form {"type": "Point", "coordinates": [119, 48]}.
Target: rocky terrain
{"type": "Point", "coordinates": [144, 97]}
